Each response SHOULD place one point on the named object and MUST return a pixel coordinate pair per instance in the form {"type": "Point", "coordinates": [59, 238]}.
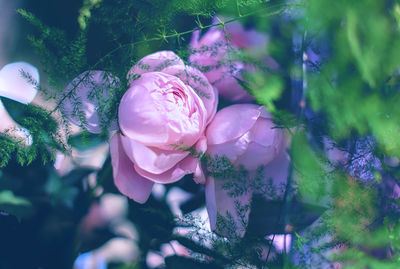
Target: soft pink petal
{"type": "Point", "coordinates": [208, 52]}
{"type": "Point", "coordinates": [160, 110]}
{"type": "Point", "coordinates": [229, 88]}
{"type": "Point", "coordinates": [256, 155]}
{"type": "Point", "coordinates": [150, 159]}
{"type": "Point", "coordinates": [198, 175]}
{"type": "Point", "coordinates": [85, 95]}
{"type": "Point", "coordinates": [201, 145]}
{"type": "Point", "coordinates": [201, 148]}
{"type": "Point", "coordinates": [220, 202]}
{"type": "Point", "coordinates": [211, 203]}
{"type": "Point", "coordinates": [139, 118]}
{"type": "Point", "coordinates": [127, 180]}
{"type": "Point", "coordinates": [212, 55]}
{"type": "Point", "coordinates": [189, 165]}
{"type": "Point", "coordinates": [278, 171]}
{"type": "Point", "coordinates": [266, 142]}
{"type": "Point", "coordinates": [15, 86]}
{"type": "Point", "coordinates": [265, 113]}
{"type": "Point", "coordinates": [195, 39]}
{"type": "Point", "coordinates": [265, 133]}
{"type": "Point", "coordinates": [247, 39]}
{"type": "Point", "coordinates": [258, 146]}
{"type": "Point", "coordinates": [153, 63]}
{"type": "Point", "coordinates": [232, 149]}
{"type": "Point", "coordinates": [195, 79]}
{"type": "Point", "coordinates": [232, 122]}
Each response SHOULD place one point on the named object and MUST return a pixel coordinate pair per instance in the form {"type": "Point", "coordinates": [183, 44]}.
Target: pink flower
{"type": "Point", "coordinates": [158, 113]}
{"type": "Point", "coordinates": [214, 53]}
{"type": "Point", "coordinates": [165, 111]}
{"type": "Point", "coordinates": [247, 137]}
{"type": "Point", "coordinates": [169, 105]}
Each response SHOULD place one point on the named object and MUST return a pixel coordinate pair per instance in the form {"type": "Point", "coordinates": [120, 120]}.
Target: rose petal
{"type": "Point", "coordinates": [153, 63]}
{"type": "Point", "coordinates": [264, 132]}
{"type": "Point", "coordinates": [201, 145]}
{"type": "Point", "coordinates": [84, 97]}
{"type": "Point", "coordinates": [264, 146]}
{"type": "Point", "coordinates": [257, 155]}
{"type": "Point", "coordinates": [232, 122]}
{"type": "Point", "coordinates": [195, 39]}
{"type": "Point", "coordinates": [277, 171]}
{"type": "Point", "coordinates": [189, 165]}
{"type": "Point", "coordinates": [126, 179]}
{"type": "Point", "coordinates": [229, 88]}
{"type": "Point", "coordinates": [246, 39]}
{"type": "Point", "coordinates": [212, 54]}
{"type": "Point", "coordinates": [160, 110]}
{"type": "Point", "coordinates": [211, 203]}
{"type": "Point", "coordinates": [15, 86]}
{"type": "Point", "coordinates": [232, 149]}
{"type": "Point", "coordinates": [199, 83]}
{"type": "Point", "coordinates": [198, 175]}
{"type": "Point", "coordinates": [150, 159]}
{"type": "Point", "coordinates": [207, 52]}
{"type": "Point", "coordinates": [201, 148]}
{"type": "Point", "coordinates": [220, 203]}
{"type": "Point", "coordinates": [139, 121]}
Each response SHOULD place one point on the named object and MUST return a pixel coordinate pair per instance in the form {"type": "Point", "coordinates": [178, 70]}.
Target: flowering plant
{"type": "Point", "coordinates": [270, 141]}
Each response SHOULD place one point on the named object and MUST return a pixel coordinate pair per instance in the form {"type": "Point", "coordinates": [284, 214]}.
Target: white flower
{"type": "Point", "coordinates": [14, 85]}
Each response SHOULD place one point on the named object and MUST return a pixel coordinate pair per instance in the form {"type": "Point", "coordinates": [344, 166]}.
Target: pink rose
{"type": "Point", "coordinates": [213, 53]}
{"type": "Point", "coordinates": [169, 105]}
{"type": "Point", "coordinates": [247, 137]}
{"type": "Point", "coordinates": [165, 111]}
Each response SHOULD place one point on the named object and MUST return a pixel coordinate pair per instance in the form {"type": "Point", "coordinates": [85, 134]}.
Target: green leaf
{"type": "Point", "coordinates": [265, 90]}
{"type": "Point", "coordinates": [312, 179]}
{"type": "Point", "coordinates": [86, 141]}
{"type": "Point", "coordinates": [60, 191]}
{"type": "Point", "coordinates": [16, 206]}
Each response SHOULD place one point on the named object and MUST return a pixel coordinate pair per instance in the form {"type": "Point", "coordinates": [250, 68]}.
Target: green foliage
{"type": "Point", "coordinates": [357, 259]}
{"type": "Point", "coordinates": [265, 89]}
{"type": "Point", "coordinates": [16, 206]}
{"type": "Point", "coordinates": [84, 12]}
{"type": "Point", "coordinates": [351, 86]}
{"type": "Point", "coordinates": [354, 210]}
{"type": "Point", "coordinates": [7, 147]}
{"type": "Point", "coordinates": [205, 8]}
{"type": "Point", "coordinates": [86, 141]}
{"type": "Point", "coordinates": [43, 129]}
{"type": "Point", "coordinates": [60, 57]}
{"type": "Point", "coordinates": [313, 180]}
{"type": "Point", "coordinates": [63, 190]}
